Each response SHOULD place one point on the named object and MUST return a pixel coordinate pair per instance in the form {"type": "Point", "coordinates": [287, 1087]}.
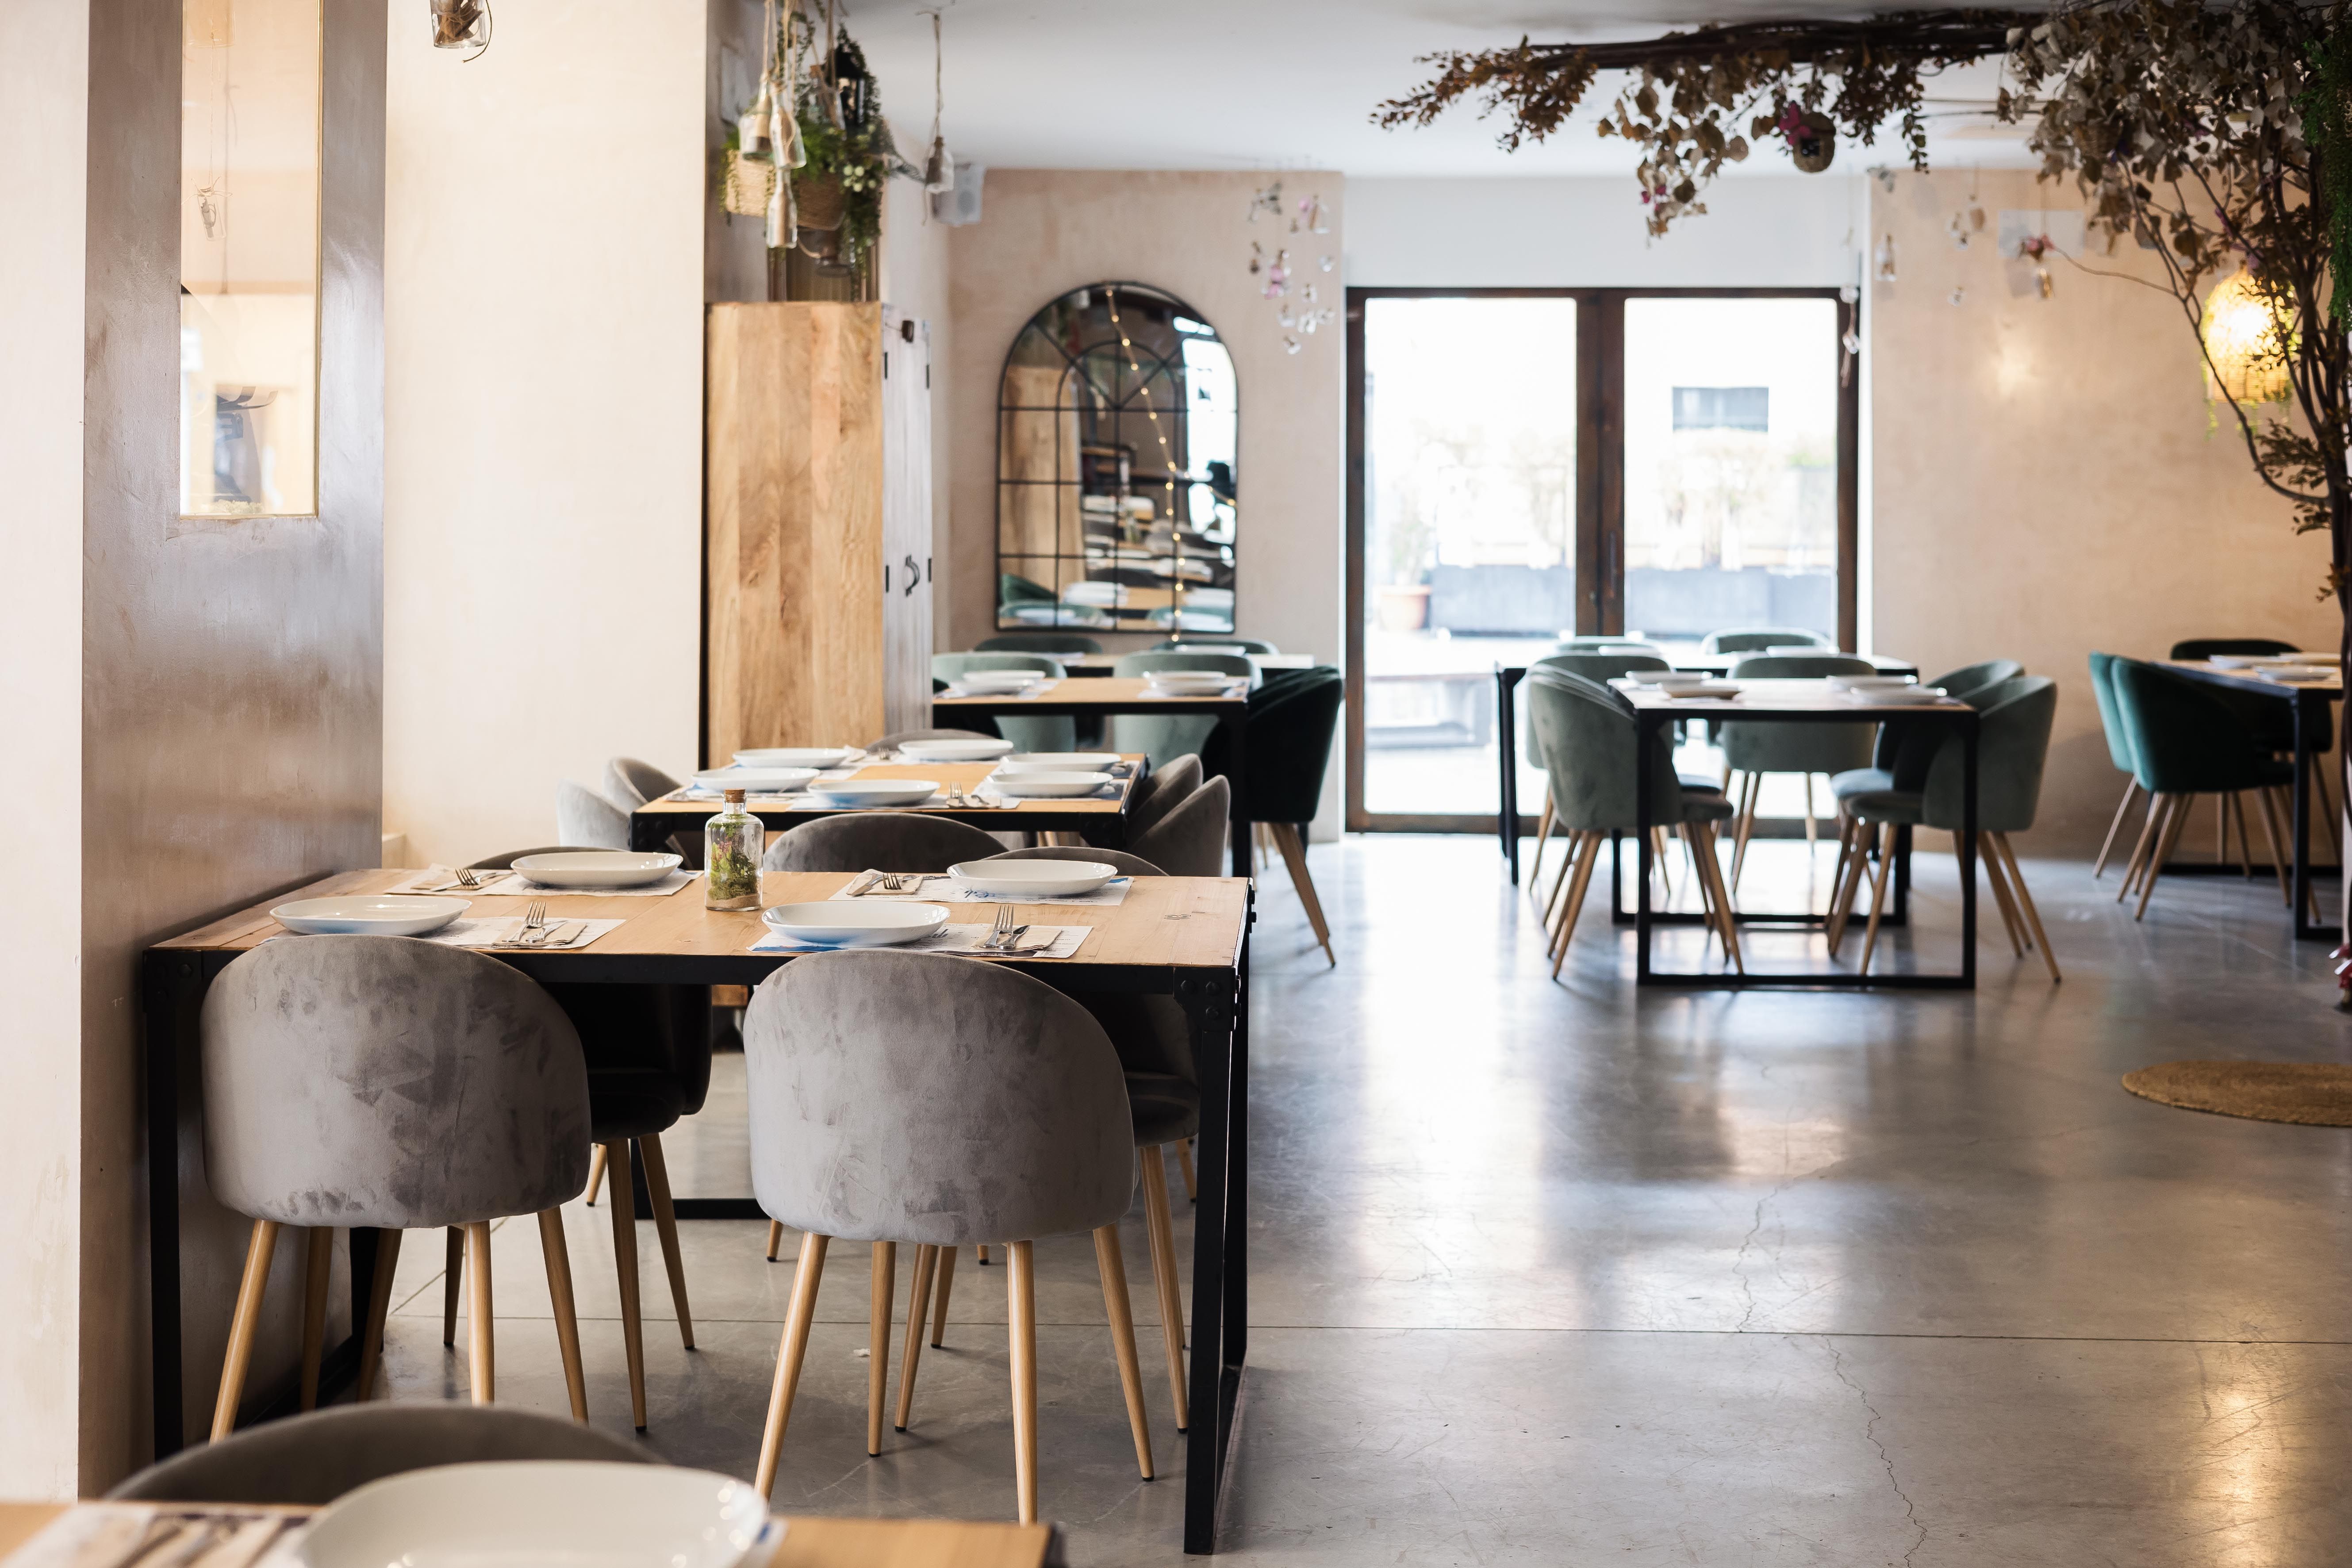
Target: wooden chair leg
{"type": "Point", "coordinates": [319, 1268]}
{"type": "Point", "coordinates": [775, 1239]}
{"type": "Point", "coordinates": [2122, 809]}
{"type": "Point", "coordinates": [939, 1307]}
{"type": "Point", "coordinates": [387, 1253]}
{"type": "Point", "coordinates": [1710, 871]}
{"type": "Point", "coordinates": [1812, 831]}
{"type": "Point", "coordinates": [2174, 823]}
{"type": "Point", "coordinates": [1750, 788]}
{"type": "Point", "coordinates": [877, 1340]}
{"type": "Point", "coordinates": [1160, 1226]}
{"type": "Point", "coordinates": [243, 1325]}
{"type": "Point", "coordinates": [1185, 1167]}
{"type": "Point", "coordinates": [2025, 899]}
{"type": "Point", "coordinates": [556, 1253]}
{"type": "Point", "coordinates": [1857, 863]}
{"type": "Point", "coordinates": [649, 1150]}
{"type": "Point", "coordinates": [2159, 807]}
{"type": "Point", "coordinates": [1112, 1266]}
{"type": "Point", "coordinates": [1543, 837]}
{"type": "Point", "coordinates": [981, 1251]}
{"type": "Point", "coordinates": [1294, 855]}
{"type": "Point", "coordinates": [1021, 1302]}
{"type": "Point", "coordinates": [1575, 901]}
{"type": "Point", "coordinates": [596, 1174]}
{"type": "Point", "coordinates": [453, 1281]}
{"type": "Point", "coordinates": [481, 1350]}
{"type": "Point", "coordinates": [2274, 833]}
{"type": "Point", "coordinates": [1878, 892]}
{"type": "Point", "coordinates": [1569, 845]}
{"type": "Point", "coordinates": [919, 1304]}
{"type": "Point", "coordinates": [625, 1265]}
{"type": "Point", "coordinates": [789, 1354]}
{"type": "Point", "coordinates": [2009, 922]}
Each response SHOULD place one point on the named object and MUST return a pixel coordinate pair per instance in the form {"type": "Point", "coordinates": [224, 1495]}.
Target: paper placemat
{"type": "Point", "coordinates": [101, 1534]}
{"type": "Point", "coordinates": [514, 884]}
{"type": "Point", "coordinates": [963, 939]}
{"type": "Point", "coordinates": [945, 890]}
{"type": "Point", "coordinates": [495, 932]}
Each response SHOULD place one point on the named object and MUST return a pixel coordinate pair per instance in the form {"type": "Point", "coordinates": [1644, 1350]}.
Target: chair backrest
{"type": "Point", "coordinates": [1128, 864]}
{"type": "Point", "coordinates": [504, 860]}
{"type": "Point", "coordinates": [2102, 688]}
{"type": "Point", "coordinates": [1744, 640]}
{"type": "Point", "coordinates": [878, 841]}
{"type": "Point", "coordinates": [1290, 727]}
{"type": "Point", "coordinates": [955, 665]}
{"type": "Point", "coordinates": [630, 783]}
{"type": "Point", "coordinates": [1162, 791]}
{"type": "Point", "coordinates": [1133, 665]}
{"type": "Point", "coordinates": [1977, 677]}
{"type": "Point", "coordinates": [900, 736]}
{"type": "Point", "coordinates": [2012, 743]}
{"type": "Point", "coordinates": [1799, 665]}
{"type": "Point", "coordinates": [1906, 750]}
{"type": "Point", "coordinates": [1604, 644]}
{"type": "Point", "coordinates": [1585, 733]}
{"type": "Point", "coordinates": [369, 1080]}
{"type": "Point", "coordinates": [925, 1098]}
{"type": "Point", "coordinates": [1037, 642]}
{"type": "Point", "coordinates": [1602, 664]}
{"type": "Point", "coordinates": [313, 1459]}
{"type": "Point", "coordinates": [1189, 841]}
{"type": "Point", "coordinates": [1215, 644]}
{"type": "Point", "coordinates": [583, 816]}
{"type": "Point", "coordinates": [2206, 647]}
{"type": "Point", "coordinates": [2184, 740]}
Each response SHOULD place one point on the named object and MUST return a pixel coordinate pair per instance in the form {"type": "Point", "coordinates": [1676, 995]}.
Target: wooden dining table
{"type": "Point", "coordinates": [809, 1541]}
{"type": "Point", "coordinates": [1101, 820]}
{"type": "Point", "coordinates": [1182, 937]}
{"type": "Point", "coordinates": [1108, 696]}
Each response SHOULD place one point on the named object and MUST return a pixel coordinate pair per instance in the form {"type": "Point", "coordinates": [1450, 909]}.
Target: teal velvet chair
{"type": "Point", "coordinates": [2186, 741]}
{"type": "Point", "coordinates": [1605, 662]}
{"type": "Point", "coordinates": [2272, 722]}
{"type": "Point", "coordinates": [1753, 639]}
{"type": "Point", "coordinates": [1159, 738]}
{"type": "Point", "coordinates": [1585, 731]}
{"type": "Point", "coordinates": [2111, 723]}
{"type": "Point", "coordinates": [1290, 727]}
{"type": "Point", "coordinates": [2012, 744]}
{"type": "Point", "coordinates": [1754, 750]}
{"type": "Point", "coordinates": [1037, 642]}
{"type": "Point", "coordinates": [1047, 733]}
{"type": "Point", "coordinates": [1905, 746]}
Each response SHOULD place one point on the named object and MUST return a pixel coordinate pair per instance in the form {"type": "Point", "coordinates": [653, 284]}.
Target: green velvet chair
{"type": "Point", "coordinates": [1585, 731]}
{"type": "Point", "coordinates": [2012, 744]}
{"type": "Point", "coordinates": [1754, 639]}
{"type": "Point", "coordinates": [1163, 739]}
{"type": "Point", "coordinates": [1753, 750]}
{"type": "Point", "coordinates": [1047, 733]}
{"type": "Point", "coordinates": [2186, 741]}
{"type": "Point", "coordinates": [2111, 723]}
{"type": "Point", "coordinates": [1037, 642]}
{"type": "Point", "coordinates": [1605, 662]}
{"type": "Point", "coordinates": [1905, 746]}
{"type": "Point", "coordinates": [1290, 728]}
{"type": "Point", "coordinates": [2272, 722]}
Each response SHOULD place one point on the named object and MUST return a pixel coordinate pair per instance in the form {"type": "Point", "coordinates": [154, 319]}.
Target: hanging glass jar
{"type": "Point", "coordinates": [461, 24]}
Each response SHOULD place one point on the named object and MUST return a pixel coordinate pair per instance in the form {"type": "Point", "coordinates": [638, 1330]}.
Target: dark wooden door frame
{"type": "Point", "coordinates": [1599, 550]}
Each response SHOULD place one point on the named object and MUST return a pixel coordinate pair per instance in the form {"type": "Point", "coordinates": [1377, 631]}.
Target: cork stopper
{"type": "Point", "coordinates": [734, 797]}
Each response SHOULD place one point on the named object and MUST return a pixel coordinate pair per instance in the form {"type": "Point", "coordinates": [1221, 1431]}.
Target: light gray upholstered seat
{"type": "Point", "coordinates": [583, 816]}
{"type": "Point", "coordinates": [923, 1097]}
{"type": "Point", "coordinates": [1189, 841]}
{"type": "Point", "coordinates": [313, 1459]}
{"type": "Point", "coordinates": [630, 783]}
{"type": "Point", "coordinates": [878, 841]}
{"type": "Point", "coordinates": [1161, 792]}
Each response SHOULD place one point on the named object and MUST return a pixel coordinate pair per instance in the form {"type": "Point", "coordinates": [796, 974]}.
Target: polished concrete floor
{"type": "Point", "coordinates": [1562, 1272]}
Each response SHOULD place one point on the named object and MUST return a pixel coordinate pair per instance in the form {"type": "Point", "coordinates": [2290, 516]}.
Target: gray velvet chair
{"type": "Point", "coordinates": [310, 1460]}
{"type": "Point", "coordinates": [1053, 732]}
{"type": "Point", "coordinates": [400, 1085]}
{"type": "Point", "coordinates": [1189, 841]}
{"type": "Point", "coordinates": [1754, 639]}
{"type": "Point", "coordinates": [583, 816]}
{"type": "Point", "coordinates": [878, 841]}
{"type": "Point", "coordinates": [630, 783]}
{"type": "Point", "coordinates": [1037, 642]}
{"type": "Point", "coordinates": [922, 1097]}
{"type": "Point", "coordinates": [1595, 659]}
{"type": "Point", "coordinates": [1753, 750]}
{"type": "Point", "coordinates": [1161, 792]}
{"type": "Point", "coordinates": [900, 736]}
{"type": "Point", "coordinates": [1164, 739]}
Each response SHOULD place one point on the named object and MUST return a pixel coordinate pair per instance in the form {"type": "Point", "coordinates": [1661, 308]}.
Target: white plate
{"type": "Point", "coordinates": [2296, 674]}
{"type": "Point", "coordinates": [368, 915]}
{"type": "Point", "coordinates": [1002, 679]}
{"type": "Point", "coordinates": [1708, 689]}
{"type": "Point", "coordinates": [1033, 879]}
{"type": "Point", "coordinates": [1899, 696]}
{"type": "Point", "coordinates": [979, 749]}
{"type": "Point", "coordinates": [1872, 682]}
{"type": "Point", "coordinates": [1190, 679]}
{"type": "Point", "coordinates": [875, 791]}
{"type": "Point", "coordinates": [597, 869]}
{"type": "Point", "coordinates": [756, 781]}
{"type": "Point", "coordinates": [793, 757]}
{"type": "Point", "coordinates": [1049, 786]}
{"type": "Point", "coordinates": [847, 924]}
{"type": "Point", "coordinates": [2326, 659]}
{"type": "Point", "coordinates": [1059, 761]}
{"type": "Point", "coordinates": [1666, 677]}
{"type": "Point", "coordinates": [528, 1514]}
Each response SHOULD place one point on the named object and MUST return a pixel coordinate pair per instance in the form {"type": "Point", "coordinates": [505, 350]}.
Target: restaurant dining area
{"type": "Point", "coordinates": [1539, 790]}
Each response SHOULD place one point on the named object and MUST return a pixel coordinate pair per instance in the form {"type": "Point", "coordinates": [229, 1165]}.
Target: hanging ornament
{"type": "Point", "coordinates": [1885, 269]}
{"type": "Point", "coordinates": [939, 169]}
{"type": "Point", "coordinates": [462, 24]}
{"type": "Point", "coordinates": [1812, 137]}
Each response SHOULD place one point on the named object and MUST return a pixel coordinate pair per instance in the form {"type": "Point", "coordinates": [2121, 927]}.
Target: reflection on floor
{"type": "Point", "coordinates": [1556, 1272]}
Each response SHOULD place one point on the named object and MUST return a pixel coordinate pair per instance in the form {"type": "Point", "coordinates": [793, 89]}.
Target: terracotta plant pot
{"type": "Point", "coordinates": [1403, 608]}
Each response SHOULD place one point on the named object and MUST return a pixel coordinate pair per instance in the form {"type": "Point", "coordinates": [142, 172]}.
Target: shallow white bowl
{"type": "Point", "coordinates": [755, 781]}
{"type": "Point", "coordinates": [1059, 761]}
{"type": "Point", "coordinates": [793, 757]}
{"type": "Point", "coordinates": [979, 749]}
{"type": "Point", "coordinates": [875, 791]}
{"type": "Point", "coordinates": [1872, 682]}
{"type": "Point", "coordinates": [369, 914]}
{"type": "Point", "coordinates": [1191, 682]}
{"type": "Point", "coordinates": [511, 1515]}
{"type": "Point", "coordinates": [1001, 680]}
{"type": "Point", "coordinates": [597, 869]}
{"type": "Point", "coordinates": [1713, 689]}
{"type": "Point", "coordinates": [1032, 878]}
{"type": "Point", "coordinates": [843, 923]}
{"type": "Point", "coordinates": [1667, 678]}
{"type": "Point", "coordinates": [1049, 786]}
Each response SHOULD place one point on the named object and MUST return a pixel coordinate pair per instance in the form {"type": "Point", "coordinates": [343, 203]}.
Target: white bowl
{"type": "Point", "coordinates": [1033, 879]}
{"type": "Point", "coordinates": [1191, 682]}
{"type": "Point", "coordinates": [1001, 680]}
{"type": "Point", "coordinates": [977, 749]}
{"type": "Point", "coordinates": [793, 757]}
{"type": "Point", "coordinates": [1667, 678]}
{"type": "Point", "coordinates": [875, 792]}
{"type": "Point", "coordinates": [1703, 688]}
{"type": "Point", "coordinates": [755, 781]}
{"type": "Point", "coordinates": [369, 914]}
{"type": "Point", "coordinates": [522, 1515]}
{"type": "Point", "coordinates": [1049, 786]}
{"type": "Point", "coordinates": [1059, 761]}
{"type": "Point", "coordinates": [843, 923]}
{"type": "Point", "coordinates": [597, 869]}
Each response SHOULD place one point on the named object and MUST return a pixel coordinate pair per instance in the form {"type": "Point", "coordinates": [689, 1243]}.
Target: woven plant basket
{"type": "Point", "coordinates": [744, 191]}
{"type": "Point", "coordinates": [820, 203]}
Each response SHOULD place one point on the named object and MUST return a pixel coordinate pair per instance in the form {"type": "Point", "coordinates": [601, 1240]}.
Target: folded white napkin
{"type": "Point", "coordinates": [514, 884]}
{"type": "Point", "coordinates": [963, 939]}
{"type": "Point", "coordinates": [497, 932]}
{"type": "Point", "coordinates": [946, 889]}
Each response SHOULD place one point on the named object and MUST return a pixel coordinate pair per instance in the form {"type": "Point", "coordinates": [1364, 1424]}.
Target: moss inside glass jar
{"type": "Point", "coordinates": [732, 844]}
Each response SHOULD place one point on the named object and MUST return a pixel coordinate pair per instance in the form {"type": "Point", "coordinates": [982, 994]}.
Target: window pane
{"type": "Point", "coordinates": [249, 257]}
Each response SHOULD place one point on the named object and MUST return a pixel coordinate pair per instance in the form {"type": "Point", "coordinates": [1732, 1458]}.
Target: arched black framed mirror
{"type": "Point", "coordinates": [1118, 421]}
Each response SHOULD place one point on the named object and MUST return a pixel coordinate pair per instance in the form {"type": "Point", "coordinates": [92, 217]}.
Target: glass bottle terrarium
{"type": "Point", "coordinates": [731, 846]}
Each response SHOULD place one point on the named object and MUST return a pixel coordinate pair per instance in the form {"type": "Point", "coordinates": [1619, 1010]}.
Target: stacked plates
{"type": "Point", "coordinates": [596, 868]}
{"type": "Point", "coordinates": [977, 749]}
{"type": "Point", "coordinates": [843, 923]}
{"type": "Point", "coordinates": [755, 781]}
{"type": "Point", "coordinates": [369, 914]}
{"type": "Point", "coordinates": [1047, 785]}
{"type": "Point", "coordinates": [1032, 878]}
{"type": "Point", "coordinates": [872, 794]}
{"type": "Point", "coordinates": [1668, 678]}
{"type": "Point", "coordinates": [793, 757]}
{"type": "Point", "coordinates": [1190, 682]}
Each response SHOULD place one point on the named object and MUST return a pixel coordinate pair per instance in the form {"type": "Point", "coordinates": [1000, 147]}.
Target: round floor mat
{"type": "Point", "coordinates": [2317, 1094]}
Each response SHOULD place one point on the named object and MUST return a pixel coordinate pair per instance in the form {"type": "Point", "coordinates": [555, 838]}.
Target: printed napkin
{"type": "Point", "coordinates": [1065, 941]}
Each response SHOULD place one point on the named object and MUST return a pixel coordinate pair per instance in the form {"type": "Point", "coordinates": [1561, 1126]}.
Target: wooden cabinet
{"type": "Point", "coordinates": [817, 526]}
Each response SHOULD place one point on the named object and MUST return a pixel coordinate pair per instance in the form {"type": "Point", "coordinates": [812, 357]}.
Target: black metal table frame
{"type": "Point", "coordinates": [2308, 706]}
{"type": "Point", "coordinates": [1231, 715]}
{"type": "Point", "coordinates": [1215, 1004]}
{"type": "Point", "coordinates": [1650, 719]}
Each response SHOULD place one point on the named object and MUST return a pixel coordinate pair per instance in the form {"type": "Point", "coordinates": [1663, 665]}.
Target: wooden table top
{"type": "Point", "coordinates": [809, 1541]}
{"type": "Point", "coordinates": [2247, 680]}
{"type": "Point", "coordinates": [964, 775]}
{"type": "Point", "coordinates": [1812, 698]}
{"type": "Point", "coordinates": [1164, 921]}
{"type": "Point", "coordinates": [1089, 692]}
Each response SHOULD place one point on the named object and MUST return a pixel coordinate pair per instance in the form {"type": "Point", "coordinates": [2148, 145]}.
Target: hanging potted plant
{"type": "Point", "coordinates": [838, 192]}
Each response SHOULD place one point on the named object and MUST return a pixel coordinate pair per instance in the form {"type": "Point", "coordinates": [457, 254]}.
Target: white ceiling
{"type": "Point", "coordinates": [1284, 84]}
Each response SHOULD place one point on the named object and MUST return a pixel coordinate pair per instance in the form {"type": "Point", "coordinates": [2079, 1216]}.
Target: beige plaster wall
{"type": "Point", "coordinates": [2043, 481]}
{"type": "Point", "coordinates": [543, 415]}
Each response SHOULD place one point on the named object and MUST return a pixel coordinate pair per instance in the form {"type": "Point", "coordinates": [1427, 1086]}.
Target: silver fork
{"type": "Point", "coordinates": [1002, 930]}
{"type": "Point", "coordinates": [534, 918]}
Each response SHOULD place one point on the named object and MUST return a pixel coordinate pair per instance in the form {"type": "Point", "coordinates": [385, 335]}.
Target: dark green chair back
{"type": "Point", "coordinates": [1606, 662]}
{"type": "Point", "coordinates": [2206, 647]}
{"type": "Point", "coordinates": [2012, 744]}
{"type": "Point", "coordinates": [2183, 738]}
{"type": "Point", "coordinates": [1584, 731]}
{"type": "Point", "coordinates": [1037, 642]}
{"type": "Point", "coordinates": [1906, 750]}
{"type": "Point", "coordinates": [1290, 727]}
{"type": "Point", "coordinates": [2103, 687]}
{"type": "Point", "coordinates": [1797, 748]}
{"type": "Point", "coordinates": [1977, 677]}
{"type": "Point", "coordinates": [2272, 722]}
{"type": "Point", "coordinates": [1746, 639]}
